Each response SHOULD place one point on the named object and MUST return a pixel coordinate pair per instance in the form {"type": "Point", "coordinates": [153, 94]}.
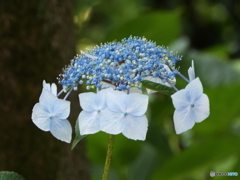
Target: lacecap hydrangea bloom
{"type": "Point", "coordinates": [117, 71]}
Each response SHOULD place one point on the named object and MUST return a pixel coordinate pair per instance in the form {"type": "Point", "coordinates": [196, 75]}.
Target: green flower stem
{"type": "Point", "coordinates": [108, 158]}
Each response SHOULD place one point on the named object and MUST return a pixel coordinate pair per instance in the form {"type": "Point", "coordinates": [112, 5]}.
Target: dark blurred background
{"type": "Point", "coordinates": [38, 38]}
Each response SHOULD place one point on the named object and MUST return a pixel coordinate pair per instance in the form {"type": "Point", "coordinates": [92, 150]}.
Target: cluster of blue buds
{"type": "Point", "coordinates": [123, 64]}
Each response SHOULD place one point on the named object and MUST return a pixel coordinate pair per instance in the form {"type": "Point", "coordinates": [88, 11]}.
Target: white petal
{"type": "Point", "coordinates": [51, 88]}
{"type": "Point", "coordinates": [54, 89]}
{"type": "Point", "coordinates": [46, 86]}
{"type": "Point", "coordinates": [201, 108]}
{"type": "Point", "coordinates": [183, 120]}
{"type": "Point", "coordinates": [89, 122]}
{"type": "Point", "coordinates": [116, 101]}
{"type": "Point", "coordinates": [87, 101]}
{"type": "Point", "coordinates": [136, 104]}
{"type": "Point", "coordinates": [47, 99]}
{"type": "Point", "coordinates": [191, 72]}
{"type": "Point", "coordinates": [135, 127]}
{"type": "Point", "coordinates": [40, 118]}
{"type": "Point", "coordinates": [111, 122]}
{"type": "Point", "coordinates": [61, 129]}
{"type": "Point", "coordinates": [195, 88]}
{"type": "Point", "coordinates": [181, 99]}
{"type": "Point", "coordinates": [101, 98]}
{"type": "Point", "coordinates": [61, 109]}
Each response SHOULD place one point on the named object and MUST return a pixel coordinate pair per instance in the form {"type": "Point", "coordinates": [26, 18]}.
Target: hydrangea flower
{"type": "Point", "coordinates": [50, 114]}
{"type": "Point", "coordinates": [191, 72]}
{"type": "Point", "coordinates": [125, 114]}
{"type": "Point", "coordinates": [191, 106]}
{"type": "Point", "coordinates": [92, 104]}
{"type": "Point", "coordinates": [116, 70]}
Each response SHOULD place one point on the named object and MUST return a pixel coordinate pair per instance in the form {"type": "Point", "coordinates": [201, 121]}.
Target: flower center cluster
{"type": "Point", "coordinates": [123, 64]}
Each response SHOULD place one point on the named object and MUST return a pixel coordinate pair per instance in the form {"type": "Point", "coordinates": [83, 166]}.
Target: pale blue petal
{"type": "Point", "coordinates": [191, 72]}
{"type": "Point", "coordinates": [201, 108]}
{"type": "Point", "coordinates": [61, 109]}
{"type": "Point", "coordinates": [181, 99]}
{"type": "Point", "coordinates": [89, 122]}
{"type": "Point", "coordinates": [61, 129]}
{"type": "Point", "coordinates": [183, 120]}
{"type": "Point", "coordinates": [111, 122]}
{"type": "Point", "coordinates": [54, 89]}
{"type": "Point", "coordinates": [136, 104]}
{"type": "Point", "coordinates": [47, 100]}
{"type": "Point", "coordinates": [116, 101]}
{"type": "Point", "coordinates": [87, 101]}
{"type": "Point", "coordinates": [195, 89]}
{"type": "Point", "coordinates": [135, 127]}
{"type": "Point", "coordinates": [46, 86]}
{"type": "Point", "coordinates": [40, 118]}
{"type": "Point", "coordinates": [51, 88]}
{"type": "Point", "coordinates": [101, 98]}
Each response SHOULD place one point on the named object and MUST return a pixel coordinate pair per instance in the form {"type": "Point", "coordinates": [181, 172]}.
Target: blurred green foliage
{"type": "Point", "coordinates": [207, 32]}
{"type": "Point", "coordinates": [8, 175]}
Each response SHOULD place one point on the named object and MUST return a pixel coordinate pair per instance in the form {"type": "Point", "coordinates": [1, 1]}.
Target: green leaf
{"type": "Point", "coordinates": [7, 175]}
{"type": "Point", "coordinates": [78, 137]}
{"type": "Point", "coordinates": [158, 87]}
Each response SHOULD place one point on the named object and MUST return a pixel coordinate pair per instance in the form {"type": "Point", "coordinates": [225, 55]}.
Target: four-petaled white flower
{"type": "Point", "coordinates": [50, 114]}
{"type": "Point", "coordinates": [92, 104]}
{"type": "Point", "coordinates": [191, 106]}
{"type": "Point", "coordinates": [125, 114]}
{"type": "Point", "coordinates": [191, 72]}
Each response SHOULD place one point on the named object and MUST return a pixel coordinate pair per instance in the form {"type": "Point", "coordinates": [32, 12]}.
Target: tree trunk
{"type": "Point", "coordinates": [37, 39]}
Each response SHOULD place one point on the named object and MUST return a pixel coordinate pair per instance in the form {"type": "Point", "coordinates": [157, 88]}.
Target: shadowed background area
{"type": "Point", "coordinates": [38, 38]}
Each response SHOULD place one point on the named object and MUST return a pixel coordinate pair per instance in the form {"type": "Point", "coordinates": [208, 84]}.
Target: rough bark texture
{"type": "Point", "coordinates": [36, 40]}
